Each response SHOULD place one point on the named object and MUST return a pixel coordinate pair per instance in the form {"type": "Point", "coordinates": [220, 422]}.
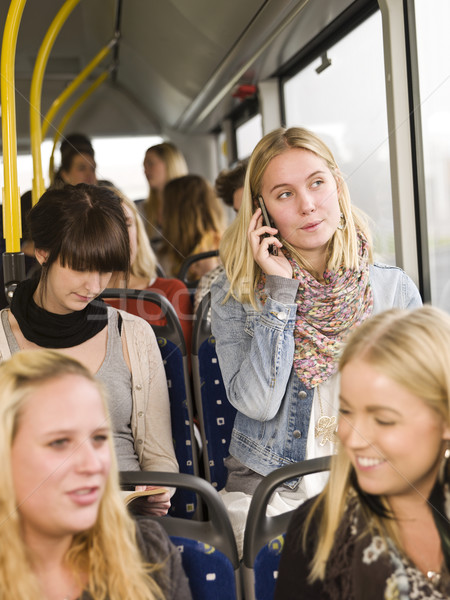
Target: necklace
{"type": "Point", "coordinates": [434, 577]}
{"type": "Point", "coordinates": [325, 425]}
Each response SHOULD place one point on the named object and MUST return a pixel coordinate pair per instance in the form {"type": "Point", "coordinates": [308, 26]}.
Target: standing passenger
{"type": "Point", "coordinates": [162, 163]}
{"type": "Point", "coordinates": [280, 319]}
{"type": "Point", "coordinates": [380, 529]}
{"type": "Point", "coordinates": [77, 161]}
{"type": "Point", "coordinates": [80, 235]}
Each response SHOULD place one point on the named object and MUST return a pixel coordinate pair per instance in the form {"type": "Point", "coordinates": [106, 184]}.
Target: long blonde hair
{"type": "Point", "coordinates": [144, 263]}
{"type": "Point", "coordinates": [193, 219]}
{"type": "Point", "coordinates": [107, 553]}
{"type": "Point", "coordinates": [175, 167]}
{"type": "Point", "coordinates": [235, 251]}
{"type": "Point", "coordinates": [413, 349]}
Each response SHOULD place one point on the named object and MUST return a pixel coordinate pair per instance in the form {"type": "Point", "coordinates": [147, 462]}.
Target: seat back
{"type": "Point", "coordinates": [174, 355]}
{"type": "Point", "coordinates": [215, 413]}
{"type": "Point", "coordinates": [188, 262]}
{"type": "Point", "coordinates": [208, 548]}
{"type": "Point", "coordinates": [264, 536]}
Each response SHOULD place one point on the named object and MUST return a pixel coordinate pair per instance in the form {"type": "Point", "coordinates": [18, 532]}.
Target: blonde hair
{"type": "Point", "coordinates": [175, 167]}
{"type": "Point", "coordinates": [107, 553]}
{"type": "Point", "coordinates": [144, 264]}
{"type": "Point", "coordinates": [193, 218]}
{"type": "Point", "coordinates": [413, 349]}
{"type": "Point", "coordinates": [235, 251]}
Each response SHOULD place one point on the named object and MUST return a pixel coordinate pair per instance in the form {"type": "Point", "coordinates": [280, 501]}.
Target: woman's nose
{"type": "Point", "coordinates": [353, 434]}
{"type": "Point", "coordinates": [93, 282]}
{"type": "Point", "coordinates": [88, 458]}
{"type": "Point", "coordinates": [306, 204]}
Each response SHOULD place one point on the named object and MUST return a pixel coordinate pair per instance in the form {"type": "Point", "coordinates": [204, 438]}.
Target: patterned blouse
{"type": "Point", "coordinates": [361, 565]}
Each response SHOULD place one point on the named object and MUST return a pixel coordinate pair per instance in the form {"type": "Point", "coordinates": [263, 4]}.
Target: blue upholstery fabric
{"type": "Point", "coordinates": [218, 413]}
{"type": "Point", "coordinates": [210, 572]}
{"type": "Point", "coordinates": [266, 568]}
{"type": "Point", "coordinates": [183, 501]}
{"type": "Point", "coordinates": [172, 346]}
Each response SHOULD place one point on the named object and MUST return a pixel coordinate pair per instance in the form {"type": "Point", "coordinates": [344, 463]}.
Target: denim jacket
{"type": "Point", "coordinates": [255, 349]}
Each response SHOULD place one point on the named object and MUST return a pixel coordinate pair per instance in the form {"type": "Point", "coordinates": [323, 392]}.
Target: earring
{"type": "Point", "coordinates": [443, 469]}
{"type": "Point", "coordinates": [343, 223]}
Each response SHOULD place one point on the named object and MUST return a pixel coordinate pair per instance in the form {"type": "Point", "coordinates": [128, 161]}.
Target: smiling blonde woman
{"type": "Point", "coordinates": [380, 529]}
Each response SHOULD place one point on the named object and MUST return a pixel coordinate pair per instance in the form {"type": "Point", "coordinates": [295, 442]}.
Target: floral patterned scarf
{"type": "Point", "coordinates": [326, 313]}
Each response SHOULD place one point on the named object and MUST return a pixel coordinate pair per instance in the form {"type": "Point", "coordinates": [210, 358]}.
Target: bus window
{"type": "Point", "coordinates": [248, 135]}
{"type": "Point", "coordinates": [119, 160]}
{"type": "Point", "coordinates": [433, 45]}
{"type": "Point", "coordinates": [345, 103]}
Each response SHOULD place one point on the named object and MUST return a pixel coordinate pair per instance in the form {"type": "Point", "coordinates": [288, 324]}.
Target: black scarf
{"type": "Point", "coordinates": [50, 330]}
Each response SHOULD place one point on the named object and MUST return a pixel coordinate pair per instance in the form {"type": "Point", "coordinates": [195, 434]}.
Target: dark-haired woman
{"type": "Point", "coordinates": [80, 235]}
{"type": "Point", "coordinates": [77, 161]}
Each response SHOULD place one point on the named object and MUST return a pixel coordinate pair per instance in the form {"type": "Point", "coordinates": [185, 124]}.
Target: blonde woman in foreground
{"type": "Point", "coordinates": [380, 529]}
{"type": "Point", "coordinates": [66, 533]}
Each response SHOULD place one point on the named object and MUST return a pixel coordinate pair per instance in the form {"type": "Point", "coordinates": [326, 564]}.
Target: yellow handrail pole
{"type": "Point", "coordinates": [75, 106]}
{"type": "Point", "coordinates": [70, 89]}
{"type": "Point", "coordinates": [36, 91]}
{"type": "Point", "coordinates": [11, 204]}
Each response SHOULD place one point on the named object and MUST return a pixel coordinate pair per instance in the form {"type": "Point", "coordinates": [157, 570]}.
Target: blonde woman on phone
{"type": "Point", "coordinates": [295, 286]}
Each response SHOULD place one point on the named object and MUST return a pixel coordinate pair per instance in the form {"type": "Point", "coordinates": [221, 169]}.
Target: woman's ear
{"type": "Point", "coordinates": [446, 434]}
{"type": "Point", "coordinates": [41, 256]}
{"type": "Point", "coordinates": [338, 179]}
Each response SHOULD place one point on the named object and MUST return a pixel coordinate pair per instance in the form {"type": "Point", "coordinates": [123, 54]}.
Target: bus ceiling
{"type": "Point", "coordinates": [177, 62]}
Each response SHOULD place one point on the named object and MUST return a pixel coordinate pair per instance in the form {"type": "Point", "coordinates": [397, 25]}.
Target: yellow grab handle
{"type": "Point", "coordinates": [11, 196]}
{"type": "Point", "coordinates": [36, 92]}
{"type": "Point", "coordinates": [72, 87]}
{"type": "Point", "coordinates": [75, 106]}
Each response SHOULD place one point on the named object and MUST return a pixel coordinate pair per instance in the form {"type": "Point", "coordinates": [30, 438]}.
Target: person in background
{"type": "Point", "coordinates": [230, 184]}
{"type": "Point", "coordinates": [77, 161]}
{"type": "Point", "coordinates": [295, 287]}
{"type": "Point", "coordinates": [162, 163]}
{"type": "Point", "coordinates": [380, 528]}
{"type": "Point", "coordinates": [229, 187]}
{"type": "Point", "coordinates": [81, 236]}
{"type": "Point", "coordinates": [143, 276]}
{"type": "Point", "coordinates": [65, 530]}
{"type": "Point", "coordinates": [193, 222]}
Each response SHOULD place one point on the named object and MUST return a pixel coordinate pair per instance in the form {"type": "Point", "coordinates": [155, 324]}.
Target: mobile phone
{"type": "Point", "coordinates": [265, 215]}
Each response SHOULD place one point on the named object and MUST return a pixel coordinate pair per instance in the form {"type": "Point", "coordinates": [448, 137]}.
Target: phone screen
{"type": "Point", "coordinates": [272, 249]}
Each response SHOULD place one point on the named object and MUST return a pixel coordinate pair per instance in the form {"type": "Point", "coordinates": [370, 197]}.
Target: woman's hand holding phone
{"type": "Point", "coordinates": [261, 236]}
